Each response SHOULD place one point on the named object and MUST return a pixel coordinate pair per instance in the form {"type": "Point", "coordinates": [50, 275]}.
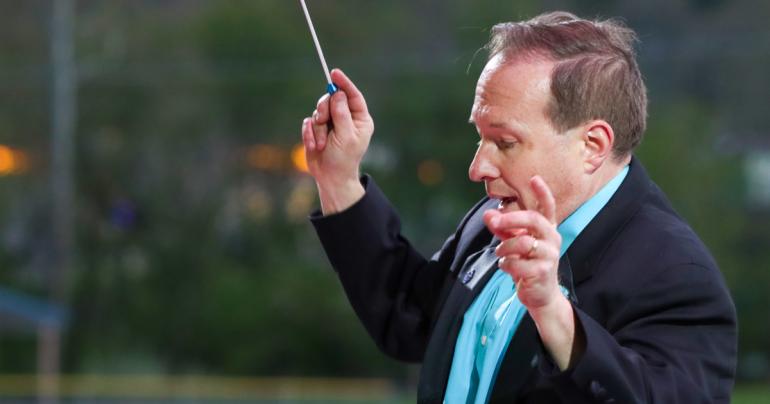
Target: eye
{"type": "Point", "coordinates": [505, 144]}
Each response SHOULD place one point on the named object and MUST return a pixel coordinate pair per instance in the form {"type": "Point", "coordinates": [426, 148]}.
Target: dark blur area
{"type": "Point", "coordinates": [153, 204]}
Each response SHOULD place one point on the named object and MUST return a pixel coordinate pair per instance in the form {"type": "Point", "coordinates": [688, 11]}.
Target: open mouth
{"type": "Point", "coordinates": [507, 202]}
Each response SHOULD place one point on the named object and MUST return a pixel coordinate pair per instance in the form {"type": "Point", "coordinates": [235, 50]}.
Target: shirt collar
{"type": "Point", "coordinates": [571, 227]}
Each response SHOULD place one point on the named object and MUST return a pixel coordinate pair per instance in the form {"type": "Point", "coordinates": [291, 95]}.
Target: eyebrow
{"type": "Point", "coordinates": [495, 125]}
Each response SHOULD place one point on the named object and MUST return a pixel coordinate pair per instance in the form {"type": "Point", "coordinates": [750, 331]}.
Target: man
{"type": "Point", "coordinates": [574, 280]}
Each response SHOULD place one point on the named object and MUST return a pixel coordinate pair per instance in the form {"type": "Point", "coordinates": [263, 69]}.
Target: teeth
{"type": "Point", "coordinates": [507, 201]}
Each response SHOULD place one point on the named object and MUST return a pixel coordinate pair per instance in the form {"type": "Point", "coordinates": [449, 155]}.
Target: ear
{"type": "Point", "coordinates": [598, 140]}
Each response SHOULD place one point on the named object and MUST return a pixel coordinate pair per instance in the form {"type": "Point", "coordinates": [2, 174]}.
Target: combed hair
{"type": "Point", "coordinates": [596, 75]}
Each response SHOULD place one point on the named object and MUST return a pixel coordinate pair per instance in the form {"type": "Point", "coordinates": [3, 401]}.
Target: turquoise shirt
{"type": "Point", "coordinates": [492, 319]}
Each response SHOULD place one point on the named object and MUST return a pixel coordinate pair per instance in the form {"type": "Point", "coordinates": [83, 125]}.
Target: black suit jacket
{"type": "Point", "coordinates": [660, 325]}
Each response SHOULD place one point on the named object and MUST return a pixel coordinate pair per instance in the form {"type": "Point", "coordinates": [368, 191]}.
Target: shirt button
{"type": "Point", "coordinates": [483, 340]}
{"type": "Point", "coordinates": [598, 391]}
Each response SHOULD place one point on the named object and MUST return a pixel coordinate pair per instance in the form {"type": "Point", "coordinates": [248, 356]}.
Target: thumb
{"type": "Point", "coordinates": [355, 98]}
{"type": "Point", "coordinates": [340, 111]}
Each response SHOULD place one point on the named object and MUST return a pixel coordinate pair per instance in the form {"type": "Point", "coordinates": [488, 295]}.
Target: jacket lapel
{"type": "Point", "coordinates": [589, 246]}
{"type": "Point", "coordinates": [440, 352]}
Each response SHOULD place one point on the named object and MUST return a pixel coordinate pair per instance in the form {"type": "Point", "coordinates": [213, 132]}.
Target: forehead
{"type": "Point", "coordinates": [512, 90]}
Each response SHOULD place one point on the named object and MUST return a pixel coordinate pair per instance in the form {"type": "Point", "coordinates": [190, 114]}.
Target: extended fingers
{"type": "Point", "coordinates": [526, 247]}
{"type": "Point", "coordinates": [502, 224]}
{"type": "Point", "coordinates": [500, 232]}
{"type": "Point", "coordinates": [545, 200]}
{"type": "Point", "coordinates": [522, 269]}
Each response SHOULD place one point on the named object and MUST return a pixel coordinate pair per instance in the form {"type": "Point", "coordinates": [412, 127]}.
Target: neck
{"type": "Point", "coordinates": [597, 180]}
{"type": "Point", "coordinates": [605, 174]}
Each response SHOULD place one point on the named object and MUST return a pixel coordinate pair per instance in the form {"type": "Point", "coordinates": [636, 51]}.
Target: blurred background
{"type": "Point", "coordinates": [154, 241]}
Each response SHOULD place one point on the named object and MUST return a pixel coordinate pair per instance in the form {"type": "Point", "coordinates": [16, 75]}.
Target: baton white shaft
{"type": "Point", "coordinates": [315, 40]}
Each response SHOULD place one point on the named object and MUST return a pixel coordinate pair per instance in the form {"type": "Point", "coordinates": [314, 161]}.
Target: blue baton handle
{"type": "Point", "coordinates": [331, 88]}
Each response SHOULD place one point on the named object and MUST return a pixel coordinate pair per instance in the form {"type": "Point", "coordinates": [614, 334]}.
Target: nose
{"type": "Point", "coordinates": [482, 168]}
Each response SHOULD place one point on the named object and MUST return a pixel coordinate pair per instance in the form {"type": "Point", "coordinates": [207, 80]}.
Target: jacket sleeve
{"type": "Point", "coordinates": [393, 289]}
{"type": "Point", "coordinates": [672, 342]}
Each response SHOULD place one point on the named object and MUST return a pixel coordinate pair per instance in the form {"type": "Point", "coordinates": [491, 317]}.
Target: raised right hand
{"type": "Point", "coordinates": [334, 152]}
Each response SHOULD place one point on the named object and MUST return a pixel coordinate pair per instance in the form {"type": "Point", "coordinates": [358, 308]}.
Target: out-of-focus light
{"type": "Point", "coordinates": [6, 160]}
{"type": "Point", "coordinates": [300, 201]}
{"type": "Point", "coordinates": [123, 214]}
{"type": "Point", "coordinates": [381, 157]}
{"type": "Point", "coordinates": [299, 159]}
{"type": "Point", "coordinates": [430, 172]}
{"type": "Point", "coordinates": [12, 161]}
{"type": "Point", "coordinates": [757, 168]}
{"type": "Point", "coordinates": [22, 162]}
{"type": "Point", "coordinates": [266, 157]}
{"type": "Point", "coordinates": [258, 204]}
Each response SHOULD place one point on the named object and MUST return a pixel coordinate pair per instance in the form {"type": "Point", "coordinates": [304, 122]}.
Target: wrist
{"type": "Point", "coordinates": [339, 194]}
{"type": "Point", "coordinates": [557, 312]}
{"type": "Point", "coordinates": [557, 328]}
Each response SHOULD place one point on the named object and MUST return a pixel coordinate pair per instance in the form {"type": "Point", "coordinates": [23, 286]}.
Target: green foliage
{"type": "Point", "coordinates": [751, 394]}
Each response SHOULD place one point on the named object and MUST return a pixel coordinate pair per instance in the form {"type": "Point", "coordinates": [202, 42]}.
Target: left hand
{"type": "Point", "coordinates": [529, 250]}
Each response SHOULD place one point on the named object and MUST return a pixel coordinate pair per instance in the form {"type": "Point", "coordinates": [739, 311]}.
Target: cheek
{"type": "Point", "coordinates": [563, 158]}
{"type": "Point", "coordinates": [564, 181]}
{"type": "Point", "coordinates": [517, 172]}
{"type": "Point", "coordinates": [511, 166]}
{"type": "Point", "coordinates": [558, 172]}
